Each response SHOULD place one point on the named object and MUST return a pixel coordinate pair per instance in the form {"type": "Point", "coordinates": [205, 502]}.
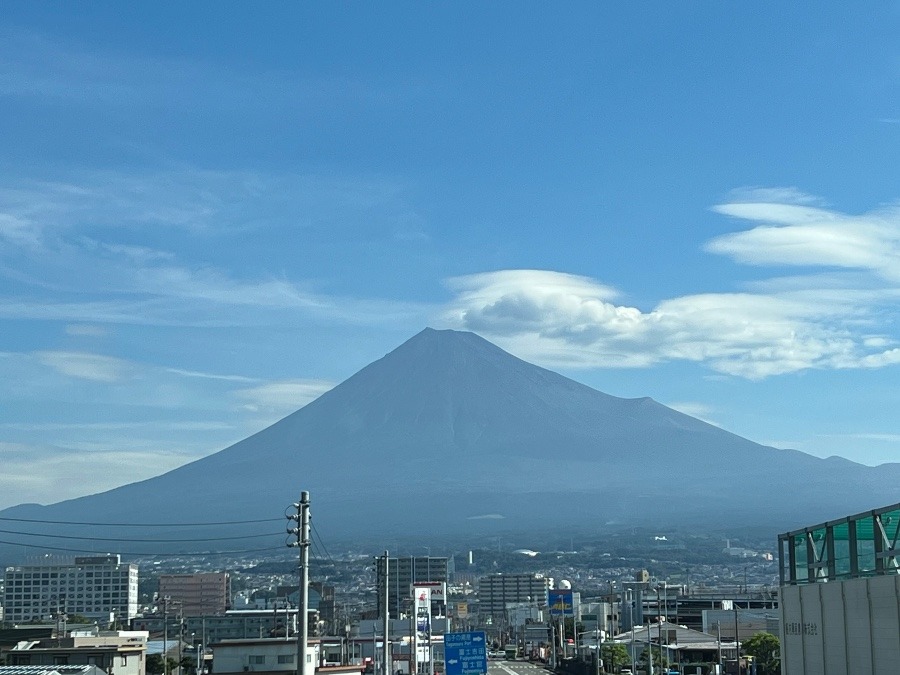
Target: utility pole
{"type": "Point", "coordinates": [386, 645]}
{"type": "Point", "coordinates": [302, 534]}
{"type": "Point", "coordinates": [737, 642]}
{"type": "Point", "coordinates": [165, 635]}
{"type": "Point", "coordinates": [202, 668]}
{"type": "Point", "coordinates": [552, 645]}
{"type": "Point", "coordinates": [180, 635]}
{"type": "Point", "coordinates": [719, 644]}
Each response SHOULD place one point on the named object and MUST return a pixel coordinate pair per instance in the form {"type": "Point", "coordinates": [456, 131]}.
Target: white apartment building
{"type": "Point", "coordinates": [97, 587]}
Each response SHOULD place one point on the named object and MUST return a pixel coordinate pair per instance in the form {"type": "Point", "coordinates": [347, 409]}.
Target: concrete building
{"type": "Point", "coordinates": [232, 625]}
{"type": "Point", "coordinates": [600, 616]}
{"type": "Point", "coordinates": [320, 597]}
{"type": "Point", "coordinates": [116, 653]}
{"type": "Point", "coordinates": [689, 609]}
{"type": "Point", "coordinates": [497, 591]}
{"type": "Point", "coordinates": [98, 587]}
{"type": "Point", "coordinates": [746, 623]}
{"type": "Point", "coordinates": [403, 572]}
{"type": "Point", "coordinates": [840, 596]}
{"type": "Point", "coordinates": [207, 593]}
{"type": "Point", "coordinates": [273, 656]}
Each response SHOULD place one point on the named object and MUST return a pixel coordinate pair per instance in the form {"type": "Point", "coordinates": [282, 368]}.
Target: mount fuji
{"type": "Point", "coordinates": [448, 431]}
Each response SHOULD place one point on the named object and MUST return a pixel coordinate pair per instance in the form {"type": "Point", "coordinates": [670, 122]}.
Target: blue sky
{"type": "Point", "coordinates": [212, 213]}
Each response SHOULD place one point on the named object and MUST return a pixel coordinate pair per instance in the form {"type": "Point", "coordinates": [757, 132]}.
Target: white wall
{"type": "Point", "coordinates": [235, 658]}
{"type": "Point", "coordinates": [841, 627]}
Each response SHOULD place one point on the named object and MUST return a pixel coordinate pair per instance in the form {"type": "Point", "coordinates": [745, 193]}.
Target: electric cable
{"type": "Point", "coordinates": [145, 554]}
{"type": "Point", "coordinates": [72, 522]}
{"type": "Point", "coordinates": [139, 541]}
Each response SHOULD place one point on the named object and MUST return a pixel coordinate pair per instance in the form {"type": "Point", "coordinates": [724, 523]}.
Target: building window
{"type": "Point", "coordinates": [257, 659]}
{"type": "Point", "coordinates": [285, 658]}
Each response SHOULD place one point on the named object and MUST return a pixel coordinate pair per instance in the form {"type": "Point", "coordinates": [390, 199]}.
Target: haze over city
{"type": "Point", "coordinates": [211, 214]}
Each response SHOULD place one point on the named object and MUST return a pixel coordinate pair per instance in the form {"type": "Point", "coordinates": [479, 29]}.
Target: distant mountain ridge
{"type": "Point", "coordinates": [449, 427]}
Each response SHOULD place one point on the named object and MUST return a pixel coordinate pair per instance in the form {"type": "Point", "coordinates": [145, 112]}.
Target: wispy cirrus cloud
{"type": "Point", "coordinates": [85, 330]}
{"type": "Point", "coordinates": [701, 411]}
{"type": "Point", "coordinates": [85, 366]}
{"type": "Point", "coordinates": [35, 66]}
{"type": "Point", "coordinates": [279, 398]}
{"type": "Point", "coordinates": [31, 472]}
{"type": "Point", "coordinates": [566, 320]}
{"type": "Point", "coordinates": [135, 419]}
{"type": "Point", "coordinates": [64, 228]}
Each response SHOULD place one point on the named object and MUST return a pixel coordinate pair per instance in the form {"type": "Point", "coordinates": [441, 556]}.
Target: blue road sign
{"type": "Point", "coordinates": [465, 653]}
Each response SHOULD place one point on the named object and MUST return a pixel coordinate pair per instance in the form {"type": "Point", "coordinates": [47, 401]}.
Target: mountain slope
{"type": "Point", "coordinates": [448, 426]}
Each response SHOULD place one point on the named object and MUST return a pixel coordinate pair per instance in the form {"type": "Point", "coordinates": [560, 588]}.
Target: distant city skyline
{"type": "Point", "coordinates": [212, 214]}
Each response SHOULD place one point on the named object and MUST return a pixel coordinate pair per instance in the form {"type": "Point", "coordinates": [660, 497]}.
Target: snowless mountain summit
{"type": "Point", "coordinates": [448, 432]}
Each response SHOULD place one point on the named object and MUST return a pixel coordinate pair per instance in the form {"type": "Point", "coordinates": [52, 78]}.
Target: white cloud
{"type": "Point", "coordinates": [30, 472]}
{"type": "Point", "coordinates": [18, 231]}
{"type": "Point", "coordinates": [131, 283]}
{"type": "Point", "coordinates": [211, 376]}
{"type": "Point", "coordinates": [772, 195]}
{"type": "Point", "coordinates": [701, 411]}
{"type": "Point", "coordinates": [85, 330]}
{"type": "Point", "coordinates": [85, 366]}
{"type": "Point", "coordinates": [278, 398]}
{"type": "Point", "coordinates": [556, 319]}
{"type": "Point", "coordinates": [807, 236]}
{"type": "Point", "coordinates": [118, 426]}
{"type": "Point", "coordinates": [779, 326]}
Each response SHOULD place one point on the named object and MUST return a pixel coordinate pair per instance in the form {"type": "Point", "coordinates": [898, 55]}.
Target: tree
{"type": "Point", "coordinates": [614, 656]}
{"type": "Point", "coordinates": [189, 665]}
{"type": "Point", "coordinates": [766, 652]}
{"type": "Point", "coordinates": [155, 664]}
{"type": "Point", "coordinates": [659, 659]}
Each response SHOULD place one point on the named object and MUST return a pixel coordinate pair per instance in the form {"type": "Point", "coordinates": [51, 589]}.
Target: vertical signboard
{"type": "Point", "coordinates": [422, 608]}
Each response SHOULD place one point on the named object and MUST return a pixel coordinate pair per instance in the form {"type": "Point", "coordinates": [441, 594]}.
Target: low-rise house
{"type": "Point", "coordinates": [678, 644]}
{"type": "Point", "coordinates": [273, 656]}
{"type": "Point", "coordinates": [115, 653]}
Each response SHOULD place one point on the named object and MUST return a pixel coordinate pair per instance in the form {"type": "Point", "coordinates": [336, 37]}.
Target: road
{"type": "Point", "coordinates": [498, 667]}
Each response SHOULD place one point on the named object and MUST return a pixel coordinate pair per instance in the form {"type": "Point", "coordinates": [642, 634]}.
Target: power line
{"type": "Point", "coordinates": [73, 522]}
{"type": "Point", "coordinates": [139, 541]}
{"type": "Point", "coordinates": [145, 553]}
{"type": "Point", "coordinates": [322, 544]}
